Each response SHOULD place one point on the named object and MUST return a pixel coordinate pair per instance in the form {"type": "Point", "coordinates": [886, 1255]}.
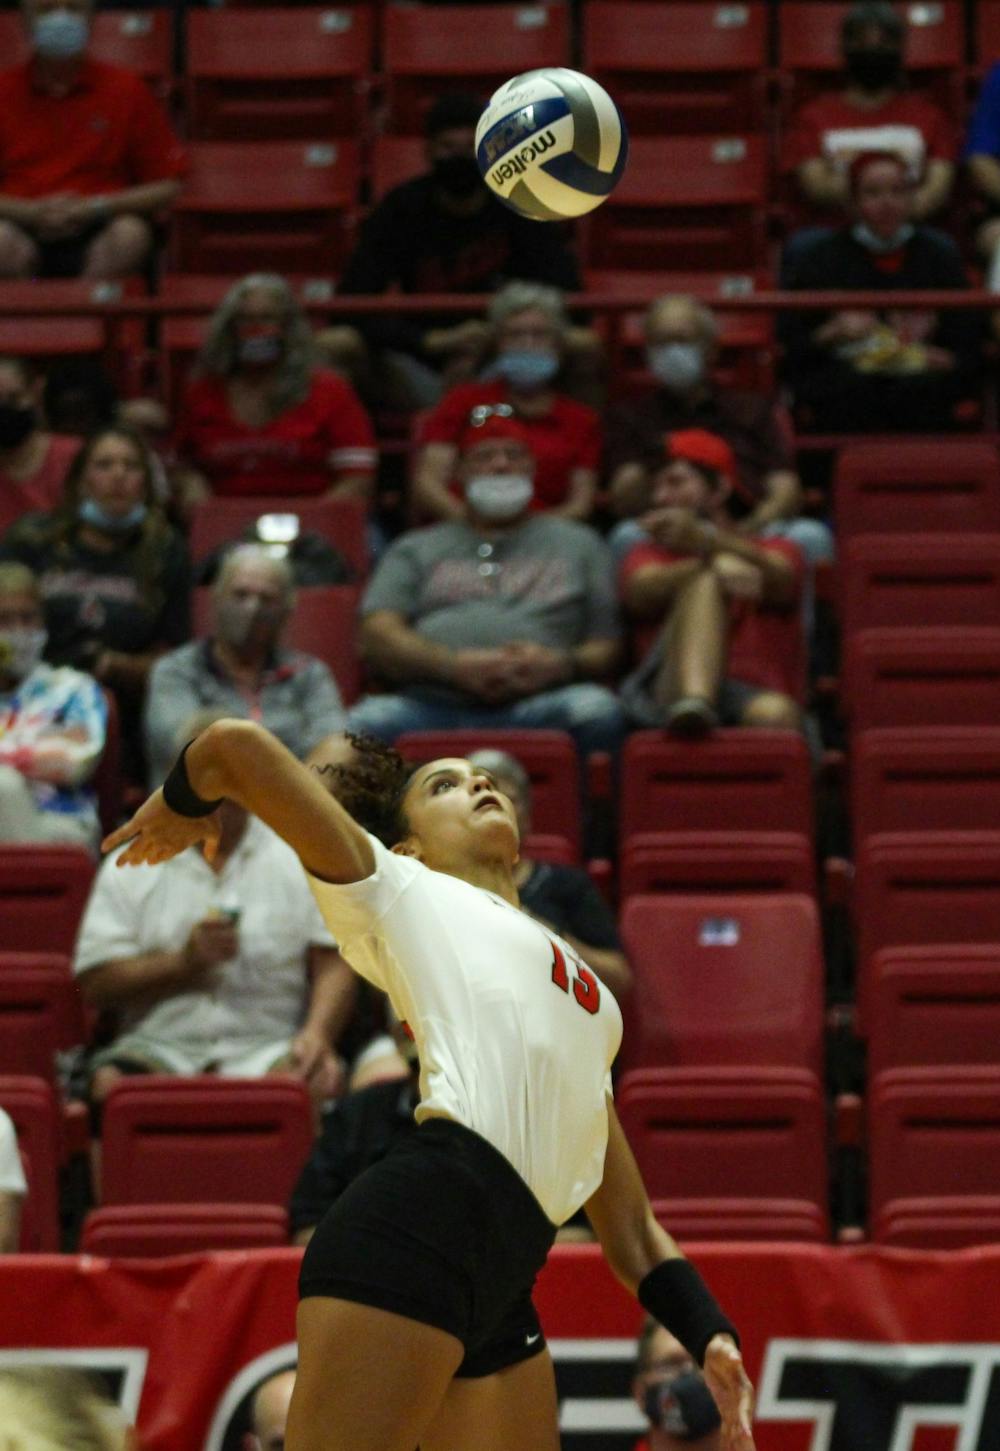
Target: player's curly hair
{"type": "Point", "coordinates": [372, 787]}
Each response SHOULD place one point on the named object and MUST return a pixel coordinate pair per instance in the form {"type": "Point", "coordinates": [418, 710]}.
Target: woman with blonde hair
{"type": "Point", "coordinates": [53, 1408]}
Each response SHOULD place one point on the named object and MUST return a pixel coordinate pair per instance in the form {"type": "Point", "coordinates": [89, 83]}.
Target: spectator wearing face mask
{"type": "Point", "coordinates": [52, 727]}
{"type": "Point", "coordinates": [243, 668]}
{"type": "Point", "coordinates": [88, 163]}
{"type": "Point", "coordinates": [261, 416]}
{"type": "Point", "coordinates": [873, 111]}
{"type": "Point", "coordinates": [671, 1393]}
{"type": "Point", "coordinates": [444, 231]}
{"type": "Point", "coordinates": [502, 618]}
{"type": "Point", "coordinates": [856, 370]}
{"type": "Point", "coordinates": [33, 460]}
{"type": "Point", "coordinates": [529, 328]}
{"type": "Point", "coordinates": [681, 347]}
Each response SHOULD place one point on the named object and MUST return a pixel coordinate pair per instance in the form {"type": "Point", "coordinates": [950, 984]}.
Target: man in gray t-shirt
{"type": "Point", "coordinates": [502, 619]}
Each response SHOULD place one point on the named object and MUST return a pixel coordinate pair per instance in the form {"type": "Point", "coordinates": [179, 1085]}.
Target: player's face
{"type": "Point", "coordinates": [457, 812]}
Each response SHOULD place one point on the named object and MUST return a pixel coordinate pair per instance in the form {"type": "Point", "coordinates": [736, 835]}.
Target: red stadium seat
{"type": "Point", "coordinates": [937, 887]}
{"type": "Point", "coordinates": [934, 1133]}
{"type": "Point", "coordinates": [474, 48]}
{"type": "Point", "coordinates": [549, 757]}
{"type": "Point", "coordinates": [324, 623]}
{"type": "Point", "coordinates": [267, 206]}
{"type": "Point", "coordinates": [727, 1133]}
{"type": "Point", "coordinates": [938, 676]}
{"type": "Point", "coordinates": [941, 778]}
{"type": "Point", "coordinates": [716, 861]}
{"type": "Point", "coordinates": [40, 1012]}
{"type": "Point", "coordinates": [958, 1221]}
{"type": "Point", "coordinates": [753, 1219]}
{"type": "Point", "coordinates": [140, 40]}
{"type": "Point", "coordinates": [932, 1006]}
{"type": "Point", "coordinates": [281, 73]}
{"type": "Point", "coordinates": [43, 891]}
{"type": "Point", "coordinates": [342, 521]}
{"type": "Point", "coordinates": [52, 336]}
{"type": "Point", "coordinates": [685, 203]}
{"type": "Point", "coordinates": [153, 1230]}
{"type": "Point", "coordinates": [949, 486]}
{"type": "Point", "coordinates": [192, 1140]}
{"type": "Point", "coordinates": [396, 159]}
{"type": "Point", "coordinates": [31, 1104]}
{"type": "Point", "coordinates": [724, 979]}
{"type": "Point", "coordinates": [987, 27]}
{"type": "Point", "coordinates": [679, 68]}
{"type": "Point", "coordinates": [737, 780]}
{"type": "Point", "coordinates": [920, 579]}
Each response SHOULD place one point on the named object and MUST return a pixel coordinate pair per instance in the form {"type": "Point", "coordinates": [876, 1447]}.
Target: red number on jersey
{"type": "Point", "coordinates": [585, 986]}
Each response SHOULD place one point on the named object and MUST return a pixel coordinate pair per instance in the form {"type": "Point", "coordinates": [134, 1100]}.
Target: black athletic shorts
{"type": "Point", "coordinates": [442, 1230]}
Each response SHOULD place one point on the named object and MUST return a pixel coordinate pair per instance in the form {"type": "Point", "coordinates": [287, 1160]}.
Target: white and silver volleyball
{"type": "Point", "coordinates": [551, 144]}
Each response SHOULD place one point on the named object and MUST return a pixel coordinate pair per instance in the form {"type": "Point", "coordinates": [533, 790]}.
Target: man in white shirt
{"type": "Point", "coordinates": [13, 1187]}
{"type": "Point", "coordinates": [215, 967]}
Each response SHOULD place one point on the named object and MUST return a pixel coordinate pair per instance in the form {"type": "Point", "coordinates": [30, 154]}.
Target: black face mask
{"type": "Point", "coordinates": [457, 175]}
{"type": "Point", "coordinates": [16, 422]}
{"type": "Point", "coordinates": [874, 70]}
{"type": "Point", "coordinates": [683, 1406]}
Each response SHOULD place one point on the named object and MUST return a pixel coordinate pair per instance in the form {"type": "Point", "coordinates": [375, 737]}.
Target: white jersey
{"type": "Point", "coordinates": [516, 1036]}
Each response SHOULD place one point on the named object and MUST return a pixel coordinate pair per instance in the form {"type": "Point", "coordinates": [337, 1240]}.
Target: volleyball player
{"type": "Point", "coordinates": [416, 1323]}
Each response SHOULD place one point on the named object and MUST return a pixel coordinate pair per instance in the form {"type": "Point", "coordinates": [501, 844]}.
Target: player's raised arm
{"type": "Point", "coordinates": [240, 761]}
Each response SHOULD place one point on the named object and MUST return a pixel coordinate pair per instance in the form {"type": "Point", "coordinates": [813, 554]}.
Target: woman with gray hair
{"type": "Point", "coordinates": [261, 416]}
{"type": "Point", "coordinates": [530, 331]}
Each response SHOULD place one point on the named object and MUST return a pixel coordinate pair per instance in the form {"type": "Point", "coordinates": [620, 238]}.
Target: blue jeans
{"type": "Point", "coordinates": [591, 714]}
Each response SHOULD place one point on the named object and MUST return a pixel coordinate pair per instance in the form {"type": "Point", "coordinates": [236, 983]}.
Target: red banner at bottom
{"type": "Point", "coordinates": [851, 1350]}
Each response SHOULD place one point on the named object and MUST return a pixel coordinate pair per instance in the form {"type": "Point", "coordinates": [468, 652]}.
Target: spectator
{"type": "Point", "coordinates": [682, 343]}
{"type": "Point", "coordinates": [113, 573]}
{"type": "Point", "coordinates": [504, 618]}
{"type": "Point", "coordinates": [242, 668]}
{"type": "Point", "coordinates": [444, 231]}
{"type": "Point", "coordinates": [982, 156]}
{"type": "Point", "coordinates": [88, 163]}
{"type": "Point", "coordinates": [260, 416]}
{"type": "Point", "coordinates": [219, 966]}
{"type": "Point", "coordinates": [529, 326]}
{"type": "Point", "coordinates": [726, 644]}
{"type": "Point", "coordinates": [54, 1408]}
{"type": "Point", "coordinates": [33, 461]}
{"type": "Point", "coordinates": [13, 1187]}
{"type": "Point", "coordinates": [872, 112]}
{"type": "Point", "coordinates": [561, 897]}
{"type": "Point", "coordinates": [52, 728]}
{"type": "Point", "coordinates": [269, 1413]}
{"type": "Point", "coordinates": [856, 369]}
{"type": "Point", "coordinates": [671, 1393]}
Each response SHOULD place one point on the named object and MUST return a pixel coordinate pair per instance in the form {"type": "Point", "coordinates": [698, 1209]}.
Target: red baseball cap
{"type": "Point", "coordinates": [705, 449]}
{"type": "Point", "coordinates": [489, 422]}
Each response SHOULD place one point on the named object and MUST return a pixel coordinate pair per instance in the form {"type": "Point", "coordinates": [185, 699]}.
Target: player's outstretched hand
{"type": "Point", "coordinates": [155, 834]}
{"type": "Point", "coordinates": [730, 1385]}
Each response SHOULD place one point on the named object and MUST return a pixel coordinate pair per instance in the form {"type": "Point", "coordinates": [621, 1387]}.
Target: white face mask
{"type": "Point", "coordinates": [60, 34]}
{"type": "Point", "coordinates": [676, 365]}
{"type": "Point", "coordinates": [499, 497]}
{"type": "Point", "coordinates": [21, 649]}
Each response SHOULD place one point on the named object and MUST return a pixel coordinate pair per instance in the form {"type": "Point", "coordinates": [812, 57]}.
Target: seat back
{"type": "Point", "coordinates": [959, 1221]}
{"type": "Point", "coordinates": [706, 989]}
{"type": "Point", "coordinates": [40, 1012]}
{"type": "Point", "coordinates": [275, 206]}
{"type": "Point", "coordinates": [31, 1104]}
{"type": "Point", "coordinates": [738, 1132]}
{"type": "Point", "coordinates": [920, 579]}
{"type": "Point", "coordinates": [43, 891]}
{"type": "Point", "coordinates": [934, 1006]}
{"type": "Point", "coordinates": [168, 1140]}
{"type": "Point", "coordinates": [924, 778]}
{"type": "Point", "coordinates": [737, 780]}
{"type": "Point", "coordinates": [716, 861]}
{"type": "Point", "coordinates": [949, 486]}
{"type": "Point", "coordinates": [677, 67]}
{"type": "Point", "coordinates": [278, 73]}
{"type": "Point", "coordinates": [549, 757]}
{"type": "Point", "coordinates": [751, 1219]}
{"type": "Point", "coordinates": [935, 676]}
{"type": "Point", "coordinates": [153, 1230]}
{"type": "Point", "coordinates": [396, 159]}
{"type": "Point", "coordinates": [342, 521]}
{"type": "Point", "coordinates": [475, 48]}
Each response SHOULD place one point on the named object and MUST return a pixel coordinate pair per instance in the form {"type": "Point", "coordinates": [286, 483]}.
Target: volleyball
{"type": "Point", "coordinates": [551, 144]}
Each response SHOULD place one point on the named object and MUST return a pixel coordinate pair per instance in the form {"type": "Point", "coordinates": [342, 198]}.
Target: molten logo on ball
{"type": "Point", "coordinates": [518, 164]}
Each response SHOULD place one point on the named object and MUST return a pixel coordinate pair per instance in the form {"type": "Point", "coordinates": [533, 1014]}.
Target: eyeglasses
{"type": "Point", "coordinates": [483, 412]}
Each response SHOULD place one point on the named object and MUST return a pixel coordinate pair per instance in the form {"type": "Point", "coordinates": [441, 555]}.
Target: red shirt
{"type": "Point", "coordinates": [297, 453]}
{"type": "Point", "coordinates": [908, 124]}
{"type": "Point", "coordinates": [765, 643]}
{"type": "Point", "coordinates": [568, 437]}
{"type": "Point", "coordinates": [106, 134]}
{"type": "Point", "coordinates": [41, 492]}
